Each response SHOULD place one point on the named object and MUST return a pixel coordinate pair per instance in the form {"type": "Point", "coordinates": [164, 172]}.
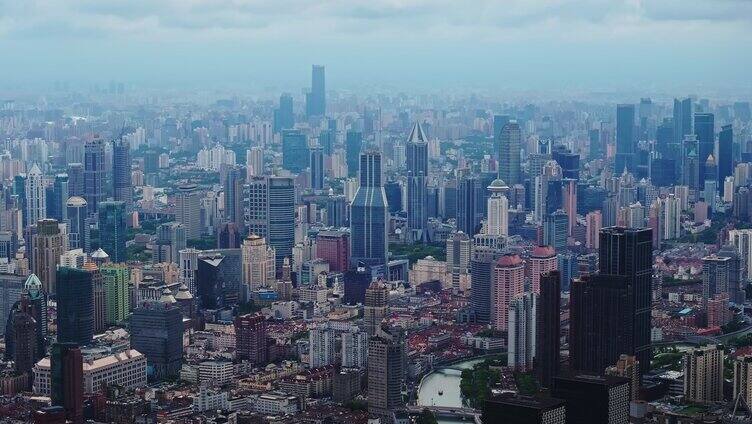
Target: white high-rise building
{"type": "Point", "coordinates": [522, 331]}
{"type": "Point", "coordinates": [672, 217]}
{"type": "Point", "coordinates": [742, 242]}
{"type": "Point", "coordinates": [254, 162]}
{"type": "Point", "coordinates": [703, 374]}
{"type": "Point", "coordinates": [354, 349]}
{"type": "Point", "coordinates": [728, 190]}
{"type": "Point", "coordinates": [498, 209]}
{"type": "Point", "coordinates": [259, 269]}
{"type": "Point", "coordinates": [36, 198]}
{"type": "Point", "coordinates": [320, 347]}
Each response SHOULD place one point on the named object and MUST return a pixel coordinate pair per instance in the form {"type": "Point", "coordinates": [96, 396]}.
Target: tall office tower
{"type": "Point", "coordinates": [327, 139]}
{"type": "Point", "coordinates": [510, 144]}
{"type": "Point", "coordinates": [336, 211]}
{"type": "Point", "coordinates": [548, 327]}
{"type": "Point", "coordinates": [116, 278]}
{"type": "Point", "coordinates": [321, 349]}
{"type": "Point", "coordinates": [67, 379]}
{"type": "Point", "coordinates": [625, 139]}
{"type": "Point", "coordinates": [728, 190]}
{"type": "Point", "coordinates": [519, 409]}
{"type": "Point", "coordinates": [99, 297]}
{"type": "Point", "coordinates": [717, 275]}
{"type": "Point", "coordinates": [482, 264]}
{"type": "Point", "coordinates": [219, 278]}
{"type": "Point", "coordinates": [334, 248]}
{"type": "Point", "coordinates": [593, 399]}
{"type": "Point", "coordinates": [376, 307]}
{"type": "Point", "coordinates": [250, 339]}
{"type": "Point", "coordinates": [600, 321]}
{"type": "Point", "coordinates": [498, 209]}
{"type": "Point", "coordinates": [56, 208]}
{"type": "Point", "coordinates": [690, 171]}
{"type": "Point", "coordinates": [498, 124]}
{"type": "Point", "coordinates": [270, 213]}
{"type": "Point", "coordinates": [627, 367]}
{"type": "Point", "coordinates": [369, 215]}
{"type": "Point", "coordinates": [522, 331]}
{"type": "Point", "coordinates": [157, 332]}
{"type": "Point", "coordinates": [593, 225]}
{"type": "Point", "coordinates": [356, 281]}
{"type": "Point", "coordinates": [386, 373]}
{"type": "Point", "coordinates": [555, 229]}
{"type": "Point", "coordinates": [703, 374]}
{"type": "Point", "coordinates": [725, 159]}
{"type": "Point", "coordinates": [78, 230]}
{"type": "Point", "coordinates": [507, 282]}
{"type": "Point", "coordinates": [121, 172]}
{"type": "Point", "coordinates": [682, 119]}
{"type": "Point", "coordinates": [469, 210]}
{"type": "Point", "coordinates": [354, 349]}
{"type": "Point", "coordinates": [188, 209]}
{"type": "Point", "coordinates": [36, 195]}
{"type": "Point", "coordinates": [294, 150]}
{"type": "Point", "coordinates": [353, 145]}
{"type": "Point", "coordinates": [48, 245]}
{"type": "Point", "coordinates": [417, 173]}
{"type": "Point", "coordinates": [25, 352]}
{"type": "Point", "coordinates": [316, 165]}
{"type": "Point", "coordinates": [542, 260]}
{"type": "Point", "coordinates": [459, 249]}
{"type": "Point", "coordinates": [284, 118]}
{"type": "Point", "coordinates": [254, 162]}
{"type": "Point", "coordinates": [628, 252]}
{"type": "Point", "coordinates": [170, 241]}
{"type": "Point", "coordinates": [11, 291]}
{"type": "Point", "coordinates": [112, 225]}
{"type": "Point", "coordinates": [671, 217]}
{"type": "Point", "coordinates": [36, 306]}
{"type": "Point", "coordinates": [94, 173]}
{"type": "Point", "coordinates": [743, 379]}
{"type": "Point", "coordinates": [610, 209]}
{"type": "Point", "coordinates": [705, 132]}
{"type": "Point", "coordinates": [233, 187]}
{"type": "Point", "coordinates": [75, 306]}
{"type": "Point", "coordinates": [316, 99]}
{"type": "Point", "coordinates": [258, 258]}
{"type": "Point", "coordinates": [735, 280]}
{"type": "Point", "coordinates": [75, 179]}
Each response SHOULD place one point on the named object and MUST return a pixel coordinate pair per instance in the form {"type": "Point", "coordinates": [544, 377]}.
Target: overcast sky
{"type": "Point", "coordinates": [520, 44]}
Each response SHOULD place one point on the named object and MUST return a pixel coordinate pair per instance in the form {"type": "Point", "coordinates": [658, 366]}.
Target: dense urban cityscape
{"type": "Point", "coordinates": [325, 254]}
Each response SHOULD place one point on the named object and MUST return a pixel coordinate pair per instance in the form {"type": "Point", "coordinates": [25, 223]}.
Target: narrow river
{"type": "Point", "coordinates": [447, 380]}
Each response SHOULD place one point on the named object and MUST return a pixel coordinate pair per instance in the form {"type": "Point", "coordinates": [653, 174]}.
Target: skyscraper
{"type": "Point", "coordinates": [593, 399]}
{"type": "Point", "coordinates": [259, 266]}
{"type": "Point", "coordinates": [321, 349]}
{"type": "Point", "coordinates": [497, 222]}
{"type": "Point", "coordinates": [219, 278]}
{"type": "Point", "coordinates": [66, 363]}
{"type": "Point", "coordinates": [469, 208]}
{"type": "Point", "coordinates": [542, 260]}
{"type": "Point", "coordinates": [36, 199]}
{"type": "Point", "coordinates": [284, 118]}
{"type": "Point", "coordinates": [555, 229]}
{"type": "Point", "coordinates": [376, 307]}
{"type": "Point", "coordinates": [250, 339]}
{"type": "Point", "coordinates": [157, 332]}
{"type": "Point", "coordinates": [113, 229]}
{"type": "Point", "coordinates": [705, 132]}
{"type": "Point", "coordinates": [417, 173]}
{"type": "Point", "coordinates": [94, 173]}
{"type": "Point", "coordinates": [316, 99]}
{"type": "Point", "coordinates": [188, 209]}
{"type": "Point", "coordinates": [47, 247]}
{"type": "Point", "coordinates": [482, 265]}
{"type": "Point", "coordinates": [725, 159]}
{"type": "Point", "coordinates": [316, 165]}
{"type": "Point", "coordinates": [78, 228]}
{"type": "Point", "coordinates": [25, 352]}
{"type": "Point", "coordinates": [121, 172]}
{"type": "Point", "coordinates": [625, 138]}
{"type": "Point", "coordinates": [703, 374]}
{"type": "Point", "coordinates": [170, 241]}
{"type": "Point", "coordinates": [507, 282]}
{"type": "Point", "coordinates": [76, 179]}
{"type": "Point", "coordinates": [233, 188]}
{"type": "Point", "coordinates": [270, 213]}
{"type": "Point", "coordinates": [56, 204]}
{"type": "Point", "coordinates": [459, 251]}
{"type": "Point", "coordinates": [628, 252]}
{"type": "Point", "coordinates": [353, 144]}
{"type": "Point", "coordinates": [369, 215]}
{"type": "Point", "coordinates": [334, 248]}
{"type": "Point", "coordinates": [386, 372]}
{"type": "Point", "coordinates": [116, 278]}
{"type": "Point", "coordinates": [522, 331]}
{"type": "Point", "coordinates": [524, 410]}
{"type": "Point", "coordinates": [548, 327]}
{"type": "Point", "coordinates": [510, 143]}
{"type": "Point", "coordinates": [75, 306]}
{"type": "Point", "coordinates": [294, 150]}
{"type": "Point", "coordinates": [682, 120]}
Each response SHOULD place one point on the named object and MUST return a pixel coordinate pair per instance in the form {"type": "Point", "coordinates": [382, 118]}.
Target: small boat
{"type": "Point", "coordinates": [441, 393]}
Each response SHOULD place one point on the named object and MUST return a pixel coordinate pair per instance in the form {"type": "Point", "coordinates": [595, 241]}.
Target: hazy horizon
{"type": "Point", "coordinates": [690, 45]}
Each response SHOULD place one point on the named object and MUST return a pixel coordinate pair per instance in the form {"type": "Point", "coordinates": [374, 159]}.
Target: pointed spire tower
{"type": "Point", "coordinates": [417, 175]}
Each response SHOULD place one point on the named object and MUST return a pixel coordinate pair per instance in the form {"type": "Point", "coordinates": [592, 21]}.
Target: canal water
{"type": "Point", "coordinates": [447, 380]}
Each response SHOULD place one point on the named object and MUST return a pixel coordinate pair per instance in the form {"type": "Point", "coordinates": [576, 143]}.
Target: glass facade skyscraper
{"type": "Point", "coordinates": [369, 215]}
{"type": "Point", "coordinates": [75, 306]}
{"type": "Point", "coordinates": [113, 230]}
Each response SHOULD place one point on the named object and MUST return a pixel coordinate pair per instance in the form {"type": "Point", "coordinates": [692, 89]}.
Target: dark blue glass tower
{"type": "Point", "coordinates": [625, 138]}
{"type": "Point", "coordinates": [725, 159]}
{"type": "Point", "coordinates": [705, 132]}
{"type": "Point", "coordinates": [369, 215]}
{"type": "Point", "coordinates": [113, 230]}
{"type": "Point", "coordinates": [75, 306]}
{"type": "Point", "coordinates": [417, 172]}
{"type": "Point", "coordinates": [294, 150]}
